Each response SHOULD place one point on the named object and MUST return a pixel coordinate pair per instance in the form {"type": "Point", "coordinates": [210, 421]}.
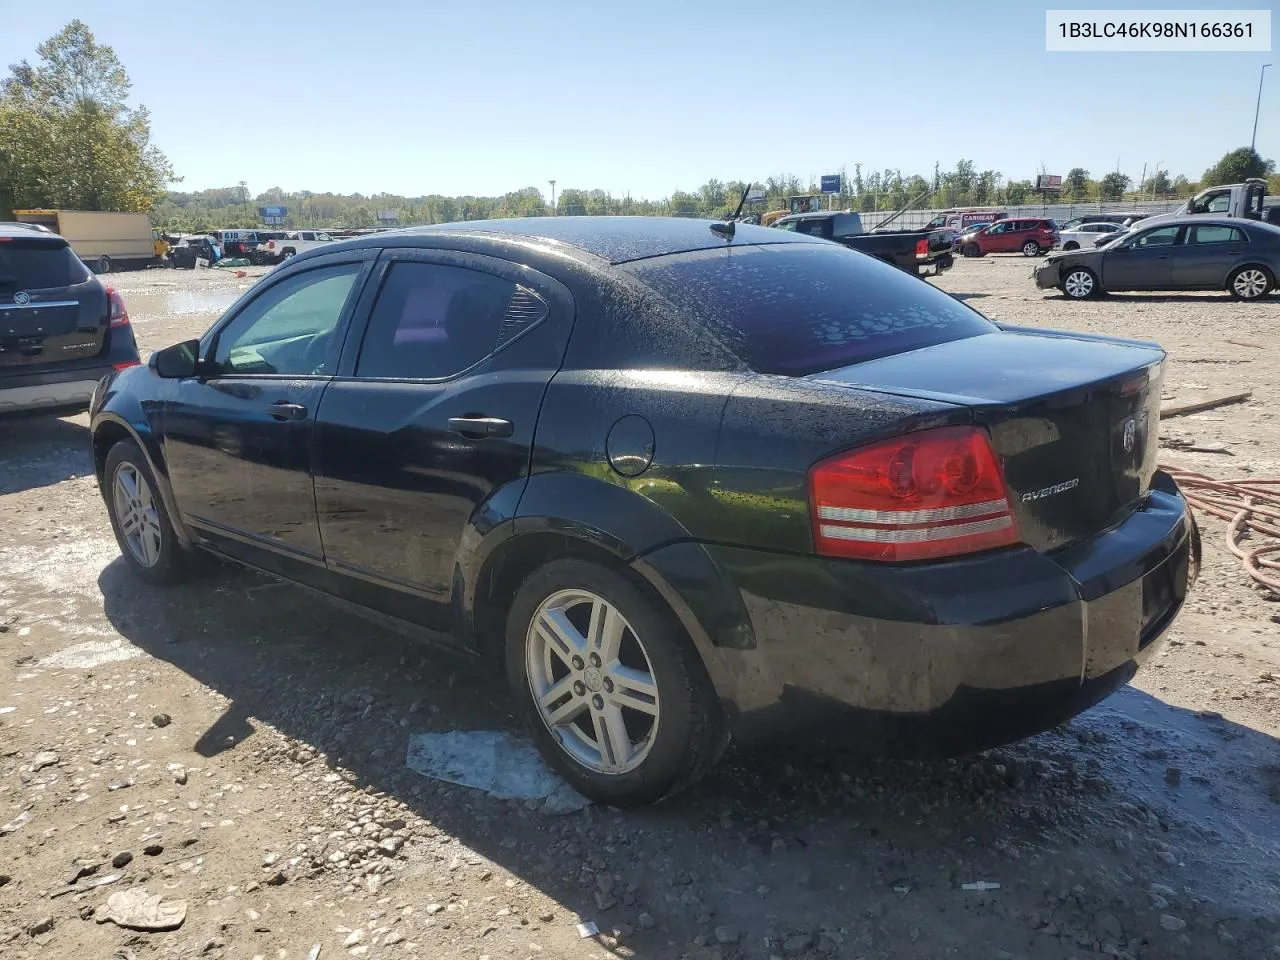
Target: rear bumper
{"type": "Point", "coordinates": [939, 658]}
{"type": "Point", "coordinates": [50, 390]}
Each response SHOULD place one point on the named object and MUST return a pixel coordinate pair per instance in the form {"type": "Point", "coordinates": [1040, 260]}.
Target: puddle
{"type": "Point", "coordinates": [501, 765]}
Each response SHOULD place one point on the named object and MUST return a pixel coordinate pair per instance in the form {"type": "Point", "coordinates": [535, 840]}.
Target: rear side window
{"type": "Point", "coordinates": [1214, 233]}
{"type": "Point", "coordinates": [25, 265]}
{"type": "Point", "coordinates": [433, 321]}
{"type": "Point", "coordinates": [796, 309]}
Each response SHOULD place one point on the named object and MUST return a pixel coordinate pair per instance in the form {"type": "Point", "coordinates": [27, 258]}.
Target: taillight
{"type": "Point", "coordinates": [922, 247]}
{"type": "Point", "coordinates": [936, 493]}
{"type": "Point", "coordinates": [271, 244]}
{"type": "Point", "coordinates": [126, 364]}
{"type": "Point", "coordinates": [116, 311]}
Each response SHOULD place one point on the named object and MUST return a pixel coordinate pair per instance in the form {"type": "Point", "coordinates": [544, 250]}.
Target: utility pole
{"type": "Point", "coordinates": [1258, 106]}
{"type": "Point", "coordinates": [244, 199]}
{"type": "Point", "coordinates": [553, 197]}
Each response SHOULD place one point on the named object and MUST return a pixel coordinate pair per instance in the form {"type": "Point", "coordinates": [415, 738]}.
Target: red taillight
{"type": "Point", "coordinates": [271, 244]}
{"type": "Point", "coordinates": [127, 364]}
{"type": "Point", "coordinates": [922, 247]}
{"type": "Point", "coordinates": [937, 493]}
{"type": "Point", "coordinates": [119, 315]}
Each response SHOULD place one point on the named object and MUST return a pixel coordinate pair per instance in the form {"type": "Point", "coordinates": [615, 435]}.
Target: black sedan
{"type": "Point", "coordinates": [686, 481]}
{"type": "Point", "coordinates": [1190, 253]}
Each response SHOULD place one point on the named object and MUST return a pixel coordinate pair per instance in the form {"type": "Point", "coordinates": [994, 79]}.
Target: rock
{"type": "Point", "coordinates": [43, 925]}
{"type": "Point", "coordinates": [138, 910]}
{"type": "Point", "coordinates": [434, 908]}
{"type": "Point", "coordinates": [605, 901]}
{"type": "Point", "coordinates": [646, 921]}
{"type": "Point", "coordinates": [153, 849]}
{"type": "Point", "coordinates": [353, 938]}
{"type": "Point", "coordinates": [1172, 776]}
{"type": "Point", "coordinates": [5, 879]}
{"type": "Point", "coordinates": [797, 943]}
{"type": "Point", "coordinates": [180, 777]}
{"type": "Point", "coordinates": [391, 845]}
{"type": "Point", "coordinates": [1171, 923]}
{"type": "Point", "coordinates": [546, 916]}
{"type": "Point", "coordinates": [727, 935]}
{"type": "Point", "coordinates": [393, 938]}
{"type": "Point", "coordinates": [45, 758]}
{"type": "Point", "coordinates": [162, 720]}
{"type": "Point", "coordinates": [122, 859]}
{"type": "Point", "coordinates": [278, 879]}
{"type": "Point", "coordinates": [1107, 927]}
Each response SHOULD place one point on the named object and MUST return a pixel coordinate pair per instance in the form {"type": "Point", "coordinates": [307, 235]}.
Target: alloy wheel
{"type": "Point", "coordinates": [592, 682]}
{"type": "Point", "coordinates": [1079, 284]}
{"type": "Point", "coordinates": [1030, 249]}
{"type": "Point", "coordinates": [137, 514]}
{"type": "Point", "coordinates": [1250, 284]}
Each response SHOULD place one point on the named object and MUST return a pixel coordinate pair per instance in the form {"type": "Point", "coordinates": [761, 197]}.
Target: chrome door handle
{"type": "Point", "coordinates": [285, 410]}
{"type": "Point", "coordinates": [477, 427]}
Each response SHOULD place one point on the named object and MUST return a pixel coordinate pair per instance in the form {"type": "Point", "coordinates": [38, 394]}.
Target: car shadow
{"type": "Point", "coordinates": [772, 841]}
{"type": "Point", "coordinates": [39, 450]}
{"type": "Point", "coordinates": [1122, 297]}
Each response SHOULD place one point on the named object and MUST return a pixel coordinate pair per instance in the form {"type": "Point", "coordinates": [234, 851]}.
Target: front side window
{"type": "Point", "coordinates": [997, 228]}
{"type": "Point", "coordinates": [1215, 233]}
{"type": "Point", "coordinates": [1159, 237]}
{"type": "Point", "coordinates": [788, 225]}
{"type": "Point", "coordinates": [432, 321]}
{"type": "Point", "coordinates": [291, 328]}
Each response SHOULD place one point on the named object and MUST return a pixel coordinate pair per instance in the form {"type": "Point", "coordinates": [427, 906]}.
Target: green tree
{"type": "Point", "coordinates": [1113, 186]}
{"type": "Point", "coordinates": [1076, 184]}
{"type": "Point", "coordinates": [1182, 187]}
{"type": "Point", "coordinates": [70, 139]}
{"type": "Point", "coordinates": [1159, 185]}
{"type": "Point", "coordinates": [1237, 166]}
{"type": "Point", "coordinates": [1017, 191]}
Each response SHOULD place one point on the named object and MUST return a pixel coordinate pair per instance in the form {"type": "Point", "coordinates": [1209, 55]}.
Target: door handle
{"type": "Point", "coordinates": [476, 427]}
{"type": "Point", "coordinates": [285, 410]}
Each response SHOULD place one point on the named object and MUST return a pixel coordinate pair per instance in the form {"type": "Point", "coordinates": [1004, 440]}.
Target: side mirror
{"type": "Point", "coordinates": [177, 361]}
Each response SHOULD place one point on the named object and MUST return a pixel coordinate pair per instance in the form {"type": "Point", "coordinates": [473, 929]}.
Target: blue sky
{"type": "Point", "coordinates": [416, 97]}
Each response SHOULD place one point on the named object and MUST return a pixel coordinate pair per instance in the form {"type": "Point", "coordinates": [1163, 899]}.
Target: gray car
{"type": "Point", "coordinates": [1190, 253]}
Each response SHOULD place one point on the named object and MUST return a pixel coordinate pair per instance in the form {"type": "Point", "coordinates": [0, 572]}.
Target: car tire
{"type": "Point", "coordinates": [138, 518]}
{"type": "Point", "coordinates": [1071, 245]}
{"type": "Point", "coordinates": [1250, 282]}
{"type": "Point", "coordinates": [1031, 249]}
{"type": "Point", "coordinates": [971, 250]}
{"type": "Point", "coordinates": [287, 255]}
{"type": "Point", "coordinates": [627, 719]}
{"type": "Point", "coordinates": [1080, 284]}
{"type": "Point", "coordinates": [102, 264]}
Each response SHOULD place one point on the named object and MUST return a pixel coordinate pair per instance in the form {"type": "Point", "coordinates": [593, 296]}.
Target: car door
{"type": "Point", "coordinates": [1142, 262]}
{"type": "Point", "coordinates": [1207, 255]}
{"type": "Point", "coordinates": [237, 438]}
{"type": "Point", "coordinates": [430, 420]}
{"type": "Point", "coordinates": [997, 238]}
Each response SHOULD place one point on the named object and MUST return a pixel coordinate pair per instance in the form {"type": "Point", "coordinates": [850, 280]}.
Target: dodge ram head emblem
{"type": "Point", "coordinates": [21, 298]}
{"type": "Point", "coordinates": [1130, 434]}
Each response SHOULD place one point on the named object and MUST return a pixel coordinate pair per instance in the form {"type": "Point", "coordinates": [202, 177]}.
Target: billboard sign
{"type": "Point", "coordinates": [831, 183]}
{"type": "Point", "coordinates": [273, 216]}
{"type": "Point", "coordinates": [1048, 183]}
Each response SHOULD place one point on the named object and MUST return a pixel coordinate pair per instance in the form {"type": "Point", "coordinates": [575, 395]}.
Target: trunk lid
{"type": "Point", "coordinates": [1074, 420]}
{"type": "Point", "coordinates": [51, 308]}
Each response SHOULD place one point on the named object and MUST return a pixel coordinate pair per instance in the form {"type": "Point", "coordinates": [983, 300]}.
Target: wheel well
{"type": "Point", "coordinates": [1257, 266]}
{"type": "Point", "coordinates": [1071, 245]}
{"type": "Point", "coordinates": [508, 567]}
{"type": "Point", "coordinates": [106, 437]}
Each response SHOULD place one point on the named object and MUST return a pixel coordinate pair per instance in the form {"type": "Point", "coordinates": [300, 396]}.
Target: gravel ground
{"type": "Point", "coordinates": [235, 745]}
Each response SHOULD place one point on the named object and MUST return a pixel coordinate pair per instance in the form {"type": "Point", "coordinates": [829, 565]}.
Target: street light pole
{"type": "Point", "coordinates": [1257, 107]}
{"type": "Point", "coordinates": [553, 197]}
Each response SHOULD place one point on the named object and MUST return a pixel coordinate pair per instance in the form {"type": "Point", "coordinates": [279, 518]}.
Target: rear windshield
{"type": "Point", "coordinates": [38, 265]}
{"type": "Point", "coordinates": [796, 309]}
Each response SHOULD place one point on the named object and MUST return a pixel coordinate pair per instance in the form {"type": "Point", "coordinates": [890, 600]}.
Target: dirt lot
{"type": "Point", "coordinates": [235, 745]}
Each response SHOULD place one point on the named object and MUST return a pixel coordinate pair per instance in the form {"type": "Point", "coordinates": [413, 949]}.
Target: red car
{"type": "Point", "coordinates": [1031, 237]}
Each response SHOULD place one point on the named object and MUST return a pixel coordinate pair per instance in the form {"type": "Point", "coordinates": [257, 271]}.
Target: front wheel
{"type": "Point", "coordinates": [1031, 249]}
{"type": "Point", "coordinates": [609, 684]}
{"type": "Point", "coordinates": [971, 250]}
{"type": "Point", "coordinates": [138, 517]}
{"type": "Point", "coordinates": [103, 264]}
{"type": "Point", "coordinates": [1079, 284]}
{"type": "Point", "coordinates": [1250, 283]}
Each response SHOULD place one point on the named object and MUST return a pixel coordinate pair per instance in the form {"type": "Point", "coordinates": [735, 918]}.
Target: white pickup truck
{"type": "Point", "coordinates": [291, 244]}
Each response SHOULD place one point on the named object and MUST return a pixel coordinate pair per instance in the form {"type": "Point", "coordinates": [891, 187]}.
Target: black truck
{"type": "Point", "coordinates": [917, 251]}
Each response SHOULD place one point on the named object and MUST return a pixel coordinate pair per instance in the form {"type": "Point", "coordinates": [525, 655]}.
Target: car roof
{"type": "Point", "coordinates": [613, 239]}
{"type": "Point", "coordinates": [26, 232]}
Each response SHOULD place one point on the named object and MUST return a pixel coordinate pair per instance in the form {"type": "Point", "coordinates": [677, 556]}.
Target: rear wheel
{"type": "Point", "coordinates": [609, 684]}
{"type": "Point", "coordinates": [1031, 249]}
{"type": "Point", "coordinates": [1079, 283]}
{"type": "Point", "coordinates": [138, 517]}
{"type": "Point", "coordinates": [103, 264]}
{"type": "Point", "coordinates": [1250, 282]}
{"type": "Point", "coordinates": [287, 255]}
{"type": "Point", "coordinates": [971, 250]}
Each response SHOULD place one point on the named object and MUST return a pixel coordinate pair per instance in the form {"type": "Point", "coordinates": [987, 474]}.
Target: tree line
{"type": "Point", "coordinates": [69, 139]}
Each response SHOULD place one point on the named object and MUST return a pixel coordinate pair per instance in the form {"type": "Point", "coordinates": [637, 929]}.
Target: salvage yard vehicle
{"type": "Point", "coordinates": [290, 245]}
{"type": "Point", "coordinates": [686, 481]}
{"type": "Point", "coordinates": [1244, 200]}
{"type": "Point", "coordinates": [962, 221]}
{"type": "Point", "coordinates": [1190, 253]}
{"type": "Point", "coordinates": [61, 330]}
{"type": "Point", "coordinates": [915, 251]}
{"type": "Point", "coordinates": [1031, 236]}
{"type": "Point", "coordinates": [1086, 234]}
{"type": "Point", "coordinates": [1122, 219]}
{"type": "Point", "coordinates": [104, 240]}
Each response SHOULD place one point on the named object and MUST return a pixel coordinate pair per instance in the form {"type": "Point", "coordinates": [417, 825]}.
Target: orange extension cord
{"type": "Point", "coordinates": [1250, 507]}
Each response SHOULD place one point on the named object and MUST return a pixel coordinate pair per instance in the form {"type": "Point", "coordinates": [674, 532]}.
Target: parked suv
{"type": "Point", "coordinates": [1031, 237]}
{"type": "Point", "coordinates": [61, 330]}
